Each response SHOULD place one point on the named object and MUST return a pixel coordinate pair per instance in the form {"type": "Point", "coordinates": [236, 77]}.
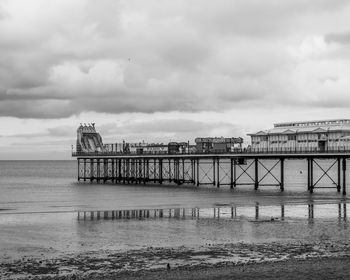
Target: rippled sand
{"type": "Point", "coordinates": [65, 244]}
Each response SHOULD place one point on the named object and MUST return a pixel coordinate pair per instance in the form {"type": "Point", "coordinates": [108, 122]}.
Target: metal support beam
{"type": "Point", "coordinates": [308, 174]}
{"type": "Point", "coordinates": [282, 175]}
{"type": "Point", "coordinates": [91, 169]}
{"type": "Point", "coordinates": [78, 169]}
{"type": "Point", "coordinates": [339, 174]}
{"type": "Point", "coordinates": [84, 169]}
{"type": "Point", "coordinates": [256, 183]}
{"type": "Point", "coordinates": [234, 173]}
{"type": "Point", "coordinates": [213, 171]}
{"type": "Point", "coordinates": [160, 171]}
{"type": "Point", "coordinates": [218, 171]}
{"type": "Point", "coordinates": [311, 175]}
{"type": "Point", "coordinates": [197, 172]}
{"type": "Point", "coordinates": [344, 176]}
{"type": "Point", "coordinates": [98, 170]}
{"type": "Point", "coordinates": [231, 177]}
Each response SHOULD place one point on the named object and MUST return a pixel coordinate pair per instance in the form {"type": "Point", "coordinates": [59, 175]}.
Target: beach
{"type": "Point", "coordinates": [47, 230]}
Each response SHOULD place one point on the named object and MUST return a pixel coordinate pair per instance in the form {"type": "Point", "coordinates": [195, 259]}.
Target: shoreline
{"type": "Point", "coordinates": [202, 262]}
{"type": "Point", "coordinates": [322, 268]}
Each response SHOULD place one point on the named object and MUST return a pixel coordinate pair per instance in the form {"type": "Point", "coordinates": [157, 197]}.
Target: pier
{"type": "Point", "coordinates": [226, 169]}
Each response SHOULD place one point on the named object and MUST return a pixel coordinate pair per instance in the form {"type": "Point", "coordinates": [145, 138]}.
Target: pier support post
{"type": "Point", "coordinates": [105, 170]}
{"type": "Point", "coordinates": [193, 171]}
{"type": "Point", "coordinates": [119, 170]}
{"type": "Point", "coordinates": [183, 171]}
{"type": "Point", "coordinates": [144, 170]}
{"type": "Point", "coordinates": [311, 175]}
{"type": "Point", "coordinates": [344, 176]}
{"type": "Point", "coordinates": [234, 173]}
{"type": "Point", "coordinates": [339, 174]}
{"type": "Point", "coordinates": [147, 169]}
{"type": "Point", "coordinates": [169, 165]}
{"type": "Point", "coordinates": [197, 172]}
{"type": "Point", "coordinates": [308, 174]}
{"type": "Point", "coordinates": [213, 171]}
{"type": "Point", "coordinates": [231, 179]}
{"type": "Point", "coordinates": [160, 171]}
{"type": "Point", "coordinates": [78, 169]}
{"type": "Point", "coordinates": [84, 169]}
{"type": "Point", "coordinates": [218, 171]}
{"type": "Point", "coordinates": [112, 175]}
{"type": "Point", "coordinates": [98, 170]}
{"type": "Point", "coordinates": [124, 170]}
{"type": "Point", "coordinates": [256, 183]}
{"type": "Point", "coordinates": [91, 169]}
{"type": "Point", "coordinates": [282, 175]}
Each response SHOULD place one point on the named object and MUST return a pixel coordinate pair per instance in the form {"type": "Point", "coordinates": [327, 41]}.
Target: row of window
{"type": "Point", "coordinates": [290, 138]}
{"type": "Point", "coordinates": [303, 141]}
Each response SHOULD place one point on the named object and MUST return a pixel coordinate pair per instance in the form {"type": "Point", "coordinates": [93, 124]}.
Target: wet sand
{"type": "Point", "coordinates": [321, 260]}
{"type": "Point", "coordinates": [326, 268]}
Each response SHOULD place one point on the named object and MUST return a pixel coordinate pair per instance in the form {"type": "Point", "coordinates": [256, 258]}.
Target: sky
{"type": "Point", "coordinates": [162, 71]}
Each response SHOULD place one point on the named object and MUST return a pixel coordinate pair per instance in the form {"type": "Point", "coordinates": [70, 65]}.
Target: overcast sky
{"type": "Point", "coordinates": [166, 70]}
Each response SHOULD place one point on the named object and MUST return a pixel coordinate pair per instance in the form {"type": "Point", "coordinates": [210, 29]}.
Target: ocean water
{"type": "Point", "coordinates": [40, 202]}
{"type": "Point", "coordinates": [51, 186]}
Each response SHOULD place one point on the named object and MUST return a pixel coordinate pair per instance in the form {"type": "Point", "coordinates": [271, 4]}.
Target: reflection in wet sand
{"type": "Point", "coordinates": [261, 213]}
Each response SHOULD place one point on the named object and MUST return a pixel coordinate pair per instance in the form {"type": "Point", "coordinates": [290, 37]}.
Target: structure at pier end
{"type": "Point", "coordinates": [88, 140]}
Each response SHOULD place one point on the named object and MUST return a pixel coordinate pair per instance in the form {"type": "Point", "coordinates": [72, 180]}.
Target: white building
{"type": "Point", "coordinates": [322, 135]}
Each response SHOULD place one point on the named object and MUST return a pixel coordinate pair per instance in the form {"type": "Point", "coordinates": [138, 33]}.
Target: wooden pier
{"type": "Point", "coordinates": [211, 169]}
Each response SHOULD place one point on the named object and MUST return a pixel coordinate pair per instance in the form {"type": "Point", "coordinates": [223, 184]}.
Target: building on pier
{"type": "Point", "coordinates": [218, 144]}
{"type": "Point", "coordinates": [320, 135]}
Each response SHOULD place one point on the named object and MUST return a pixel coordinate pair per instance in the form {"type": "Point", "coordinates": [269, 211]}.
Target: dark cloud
{"type": "Point", "coordinates": [341, 38]}
{"type": "Point", "coordinates": [141, 56]}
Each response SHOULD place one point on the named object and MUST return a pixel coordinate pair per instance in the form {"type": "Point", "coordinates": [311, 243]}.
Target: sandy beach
{"type": "Point", "coordinates": [318, 260]}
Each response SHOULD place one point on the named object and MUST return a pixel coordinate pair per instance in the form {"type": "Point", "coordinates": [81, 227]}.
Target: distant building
{"type": "Point", "coordinates": [218, 144]}
{"type": "Point", "coordinates": [308, 135]}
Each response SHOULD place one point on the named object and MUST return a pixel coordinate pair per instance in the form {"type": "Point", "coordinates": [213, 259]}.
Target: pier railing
{"type": "Point", "coordinates": [243, 151]}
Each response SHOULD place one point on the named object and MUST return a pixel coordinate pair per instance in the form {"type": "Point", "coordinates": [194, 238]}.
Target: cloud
{"type": "Point", "coordinates": [66, 58]}
{"type": "Point", "coordinates": [341, 38]}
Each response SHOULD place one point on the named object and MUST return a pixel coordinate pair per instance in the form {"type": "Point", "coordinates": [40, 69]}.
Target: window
{"type": "Point", "coordinates": [263, 138]}
{"type": "Point", "coordinates": [291, 137]}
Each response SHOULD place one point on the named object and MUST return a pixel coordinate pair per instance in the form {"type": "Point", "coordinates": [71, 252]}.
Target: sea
{"type": "Point", "coordinates": [42, 208]}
